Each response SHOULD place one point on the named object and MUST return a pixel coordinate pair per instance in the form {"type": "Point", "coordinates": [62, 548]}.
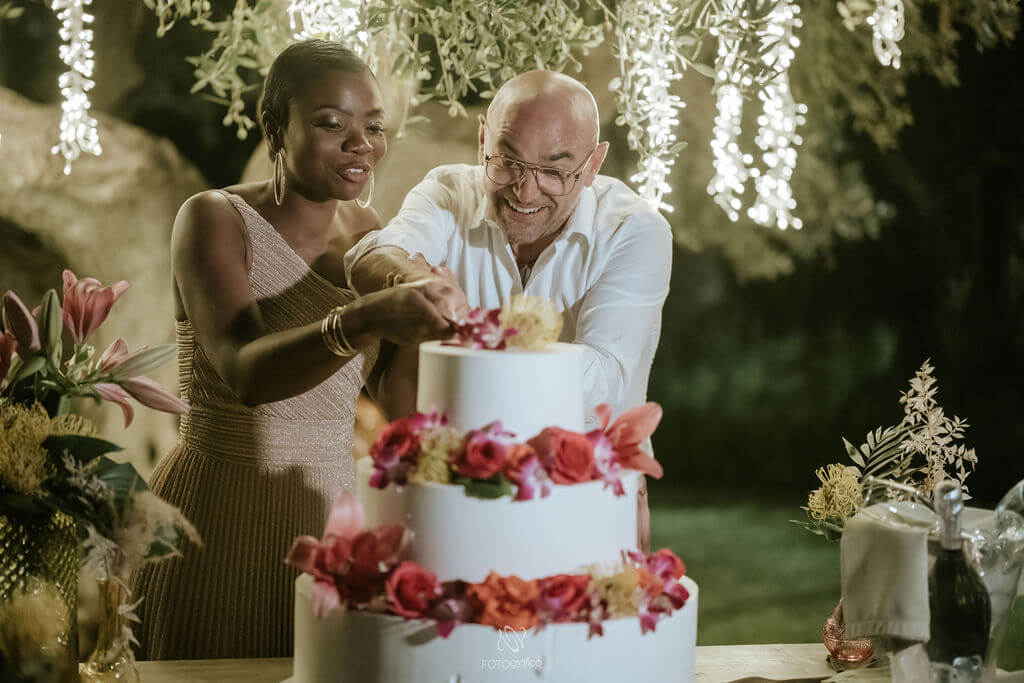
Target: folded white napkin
{"type": "Point", "coordinates": [884, 562]}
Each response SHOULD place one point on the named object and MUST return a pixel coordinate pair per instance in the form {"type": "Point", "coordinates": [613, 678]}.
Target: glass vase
{"type": "Point", "coordinates": [43, 547]}
{"type": "Point", "coordinates": [113, 659]}
{"type": "Point", "coordinates": [844, 650]}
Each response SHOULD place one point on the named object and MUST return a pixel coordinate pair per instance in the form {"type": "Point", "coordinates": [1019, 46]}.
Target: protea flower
{"type": "Point", "coordinates": [87, 304]}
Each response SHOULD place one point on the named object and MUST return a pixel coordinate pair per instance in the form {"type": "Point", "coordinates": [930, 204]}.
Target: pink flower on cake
{"type": "Point", "coordinates": [484, 452]}
{"type": "Point", "coordinates": [482, 330]}
{"type": "Point", "coordinates": [563, 597]}
{"type": "Point", "coordinates": [349, 565]}
{"type": "Point", "coordinates": [87, 304]}
{"type": "Point", "coordinates": [668, 568]}
{"type": "Point", "coordinates": [606, 462]}
{"type": "Point", "coordinates": [412, 590]}
{"type": "Point", "coordinates": [628, 432]}
{"type": "Point", "coordinates": [455, 607]}
{"type": "Point", "coordinates": [395, 450]}
{"type": "Point", "coordinates": [568, 456]}
{"type": "Point", "coordinates": [523, 468]}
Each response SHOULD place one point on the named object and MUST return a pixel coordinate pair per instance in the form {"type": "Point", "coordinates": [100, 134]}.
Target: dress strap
{"type": "Point", "coordinates": [242, 207]}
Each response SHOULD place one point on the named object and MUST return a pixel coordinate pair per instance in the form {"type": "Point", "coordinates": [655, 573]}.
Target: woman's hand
{"type": "Point", "coordinates": [403, 314]}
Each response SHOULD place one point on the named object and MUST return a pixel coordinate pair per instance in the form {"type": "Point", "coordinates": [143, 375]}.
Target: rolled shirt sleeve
{"type": "Point", "coordinates": [424, 225]}
{"type": "Point", "coordinates": [620, 318]}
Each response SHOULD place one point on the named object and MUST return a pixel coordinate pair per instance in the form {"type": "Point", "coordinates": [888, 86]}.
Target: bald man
{"type": "Point", "coordinates": [534, 217]}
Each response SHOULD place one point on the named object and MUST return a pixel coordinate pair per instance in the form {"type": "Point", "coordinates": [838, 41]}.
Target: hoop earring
{"type": "Point", "coordinates": [369, 197]}
{"type": "Point", "coordinates": [278, 178]}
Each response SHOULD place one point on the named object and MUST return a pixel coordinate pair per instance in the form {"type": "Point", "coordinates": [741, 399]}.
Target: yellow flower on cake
{"type": "Point", "coordinates": [536, 321]}
{"type": "Point", "coordinates": [435, 448]}
{"type": "Point", "coordinates": [620, 591]}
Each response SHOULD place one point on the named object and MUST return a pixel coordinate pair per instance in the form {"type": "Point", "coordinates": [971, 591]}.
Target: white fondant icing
{"type": "Point", "coordinates": [356, 647]}
{"type": "Point", "coordinates": [526, 390]}
{"type": "Point", "coordinates": [460, 537]}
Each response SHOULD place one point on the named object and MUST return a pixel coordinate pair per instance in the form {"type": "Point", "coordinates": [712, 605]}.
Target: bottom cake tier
{"type": "Point", "coordinates": [360, 647]}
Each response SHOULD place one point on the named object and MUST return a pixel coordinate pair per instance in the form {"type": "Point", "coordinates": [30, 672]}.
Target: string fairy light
{"type": "Point", "coordinates": [886, 24]}
{"type": "Point", "coordinates": [732, 77]}
{"type": "Point", "coordinates": [338, 20]}
{"type": "Point", "coordinates": [77, 128]}
{"type": "Point", "coordinates": [781, 116]}
{"type": "Point", "coordinates": [649, 65]}
{"type": "Point", "coordinates": [754, 53]}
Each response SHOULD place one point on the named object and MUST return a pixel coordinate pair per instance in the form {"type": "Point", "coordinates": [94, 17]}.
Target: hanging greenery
{"type": "Point", "coordinates": [790, 80]}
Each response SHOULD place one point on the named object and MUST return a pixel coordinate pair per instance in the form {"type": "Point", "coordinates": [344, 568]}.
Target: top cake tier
{"type": "Point", "coordinates": [526, 390]}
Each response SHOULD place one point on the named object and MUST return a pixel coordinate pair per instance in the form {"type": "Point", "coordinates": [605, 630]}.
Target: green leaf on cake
{"type": "Point", "coordinates": [495, 487]}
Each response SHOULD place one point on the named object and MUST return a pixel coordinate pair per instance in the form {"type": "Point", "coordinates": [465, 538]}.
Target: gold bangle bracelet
{"type": "Point", "coordinates": [333, 334]}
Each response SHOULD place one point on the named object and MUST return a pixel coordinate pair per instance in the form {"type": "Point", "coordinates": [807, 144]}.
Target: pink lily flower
{"type": "Point", "coordinates": [149, 393]}
{"type": "Point", "coordinates": [87, 304]}
{"type": "Point", "coordinates": [349, 564]}
{"type": "Point", "coordinates": [113, 355]}
{"type": "Point", "coordinates": [19, 322]}
{"type": "Point", "coordinates": [8, 347]}
{"type": "Point", "coordinates": [628, 432]}
{"type": "Point", "coordinates": [109, 391]}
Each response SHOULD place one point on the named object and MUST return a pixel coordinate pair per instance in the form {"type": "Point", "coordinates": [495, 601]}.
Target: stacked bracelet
{"type": "Point", "coordinates": [333, 334]}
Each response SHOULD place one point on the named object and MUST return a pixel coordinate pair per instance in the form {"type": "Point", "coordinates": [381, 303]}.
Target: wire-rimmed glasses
{"type": "Point", "coordinates": [554, 182]}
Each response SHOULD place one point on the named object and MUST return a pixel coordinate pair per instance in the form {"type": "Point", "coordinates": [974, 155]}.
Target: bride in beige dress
{"type": "Point", "coordinates": [273, 351]}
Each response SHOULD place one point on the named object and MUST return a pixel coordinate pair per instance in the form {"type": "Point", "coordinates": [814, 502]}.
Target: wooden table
{"type": "Point", "coordinates": [715, 664]}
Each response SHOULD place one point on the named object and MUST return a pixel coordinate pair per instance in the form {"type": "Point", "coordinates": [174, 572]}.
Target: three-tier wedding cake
{"type": "Point", "coordinates": [500, 552]}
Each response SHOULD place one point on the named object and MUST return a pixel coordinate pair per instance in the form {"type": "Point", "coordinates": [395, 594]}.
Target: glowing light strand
{"type": "Point", "coordinates": [781, 116]}
{"type": "Point", "coordinates": [649, 65]}
{"type": "Point", "coordinates": [339, 20]}
{"type": "Point", "coordinates": [886, 24]}
{"type": "Point", "coordinates": [77, 128]}
{"type": "Point", "coordinates": [732, 76]}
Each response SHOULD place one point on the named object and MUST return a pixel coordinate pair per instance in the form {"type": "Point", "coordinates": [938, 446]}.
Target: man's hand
{"type": "Point", "coordinates": [437, 283]}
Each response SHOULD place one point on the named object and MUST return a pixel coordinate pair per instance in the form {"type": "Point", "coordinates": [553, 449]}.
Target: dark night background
{"type": "Point", "coordinates": [760, 380]}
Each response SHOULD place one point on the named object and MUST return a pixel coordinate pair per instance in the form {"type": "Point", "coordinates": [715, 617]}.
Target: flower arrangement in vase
{"type": "Point", "coordinates": [61, 496]}
{"type": "Point", "coordinates": [905, 459]}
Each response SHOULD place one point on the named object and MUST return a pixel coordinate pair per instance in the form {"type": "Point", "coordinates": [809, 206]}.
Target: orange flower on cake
{"type": "Point", "coordinates": [502, 601]}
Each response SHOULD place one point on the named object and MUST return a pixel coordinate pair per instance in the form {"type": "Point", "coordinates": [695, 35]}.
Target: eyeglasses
{"type": "Point", "coordinates": [553, 182]}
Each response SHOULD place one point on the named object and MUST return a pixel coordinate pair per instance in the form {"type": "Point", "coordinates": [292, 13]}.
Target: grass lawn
{"type": "Point", "coordinates": [762, 578]}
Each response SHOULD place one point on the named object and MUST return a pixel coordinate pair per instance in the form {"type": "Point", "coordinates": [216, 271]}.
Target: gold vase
{"type": "Point", "coordinates": [112, 660]}
{"type": "Point", "coordinates": [43, 547]}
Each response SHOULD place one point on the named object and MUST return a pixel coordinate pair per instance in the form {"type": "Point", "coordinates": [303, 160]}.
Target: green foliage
{"type": "Point", "coordinates": [465, 47]}
{"type": "Point", "coordinates": [495, 487]}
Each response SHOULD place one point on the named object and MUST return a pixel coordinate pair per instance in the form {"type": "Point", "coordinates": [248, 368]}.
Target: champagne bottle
{"type": "Point", "coordinates": [960, 609]}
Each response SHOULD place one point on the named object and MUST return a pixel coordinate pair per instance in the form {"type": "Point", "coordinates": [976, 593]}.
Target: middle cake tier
{"type": "Point", "coordinates": [461, 537]}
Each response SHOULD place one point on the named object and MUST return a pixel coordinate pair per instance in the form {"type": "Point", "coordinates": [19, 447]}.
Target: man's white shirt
{"type": "Point", "coordinates": [607, 271]}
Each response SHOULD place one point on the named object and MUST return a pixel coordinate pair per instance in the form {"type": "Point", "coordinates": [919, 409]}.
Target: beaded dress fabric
{"type": "Point", "coordinates": [251, 479]}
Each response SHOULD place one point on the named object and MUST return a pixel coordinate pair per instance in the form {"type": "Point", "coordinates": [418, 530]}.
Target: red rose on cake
{"type": "Point", "coordinates": [484, 452]}
{"type": "Point", "coordinates": [563, 596]}
{"type": "Point", "coordinates": [502, 601]}
{"type": "Point", "coordinates": [568, 456]}
{"type": "Point", "coordinates": [412, 590]}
